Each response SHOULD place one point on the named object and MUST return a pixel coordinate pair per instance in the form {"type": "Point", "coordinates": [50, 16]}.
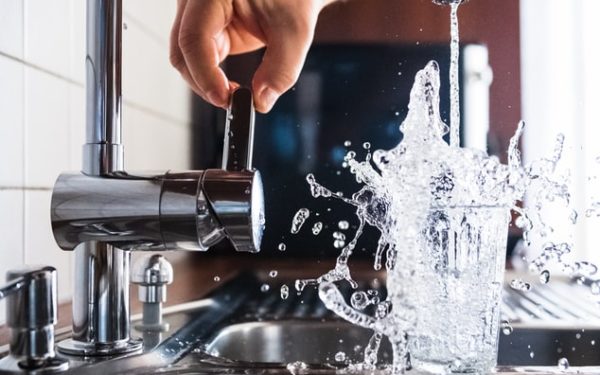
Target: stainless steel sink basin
{"type": "Point", "coordinates": [287, 341]}
{"type": "Point", "coordinates": [317, 342]}
{"type": "Point", "coordinates": [241, 330]}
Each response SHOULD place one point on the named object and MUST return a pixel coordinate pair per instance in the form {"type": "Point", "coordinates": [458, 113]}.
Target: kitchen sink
{"type": "Point", "coordinates": [265, 332]}
{"type": "Point", "coordinates": [240, 329]}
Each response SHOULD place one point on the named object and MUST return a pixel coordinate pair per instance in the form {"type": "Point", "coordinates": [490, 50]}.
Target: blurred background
{"type": "Point", "coordinates": [529, 59]}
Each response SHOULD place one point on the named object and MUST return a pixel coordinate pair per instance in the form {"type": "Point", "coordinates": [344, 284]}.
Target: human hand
{"type": "Point", "coordinates": [205, 32]}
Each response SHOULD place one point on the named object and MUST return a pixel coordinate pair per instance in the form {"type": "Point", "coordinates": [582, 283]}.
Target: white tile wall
{"type": "Point", "coordinates": [42, 114]}
{"type": "Point", "coordinates": [11, 122]}
{"type": "Point", "coordinates": [46, 128]}
{"type": "Point", "coordinates": [11, 24]}
{"type": "Point", "coordinates": [46, 31]}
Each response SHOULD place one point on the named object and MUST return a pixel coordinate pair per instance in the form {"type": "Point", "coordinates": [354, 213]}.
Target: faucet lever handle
{"type": "Point", "coordinates": [239, 132]}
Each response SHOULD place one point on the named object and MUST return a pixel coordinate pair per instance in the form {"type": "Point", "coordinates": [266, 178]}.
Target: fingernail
{"type": "Point", "coordinates": [215, 98]}
{"type": "Point", "coordinates": [268, 97]}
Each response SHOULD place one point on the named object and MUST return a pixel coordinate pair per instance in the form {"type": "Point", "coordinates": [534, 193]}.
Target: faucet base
{"type": "Point", "coordinates": [87, 349]}
{"type": "Point", "coordinates": [14, 364]}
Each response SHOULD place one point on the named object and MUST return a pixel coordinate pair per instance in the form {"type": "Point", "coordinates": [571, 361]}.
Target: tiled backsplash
{"type": "Point", "coordinates": [42, 114]}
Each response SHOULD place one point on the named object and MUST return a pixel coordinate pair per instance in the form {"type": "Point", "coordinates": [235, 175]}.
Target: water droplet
{"type": "Point", "coordinates": [359, 300]}
{"type": "Point", "coordinates": [297, 367]}
{"type": "Point", "coordinates": [506, 328]}
{"type": "Point", "coordinates": [578, 336]}
{"type": "Point", "coordinates": [300, 285]}
{"type": "Point", "coordinates": [339, 236]}
{"type": "Point", "coordinates": [593, 342]}
{"type": "Point", "coordinates": [281, 247]}
{"type": "Point", "coordinates": [367, 145]}
{"type": "Point", "coordinates": [273, 273]}
{"type": "Point", "coordinates": [343, 225]}
{"type": "Point", "coordinates": [299, 219]}
{"type": "Point", "coordinates": [338, 244]}
{"type": "Point", "coordinates": [347, 143]}
{"type": "Point", "coordinates": [518, 284]}
{"type": "Point", "coordinates": [317, 227]}
{"type": "Point", "coordinates": [573, 217]}
{"type": "Point", "coordinates": [544, 277]}
{"type": "Point", "coordinates": [265, 288]}
{"type": "Point", "coordinates": [563, 364]}
{"type": "Point", "coordinates": [531, 354]}
{"type": "Point", "coordinates": [216, 279]}
{"type": "Point", "coordinates": [284, 291]}
{"type": "Point", "coordinates": [340, 356]}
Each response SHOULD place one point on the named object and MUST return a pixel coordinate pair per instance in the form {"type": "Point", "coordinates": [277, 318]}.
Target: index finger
{"type": "Point", "coordinates": [204, 43]}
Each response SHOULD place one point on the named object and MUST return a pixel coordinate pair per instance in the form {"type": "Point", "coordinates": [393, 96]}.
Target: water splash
{"type": "Point", "coordinates": [409, 187]}
{"type": "Point", "coordinates": [317, 227]}
{"type": "Point", "coordinates": [518, 284]}
{"type": "Point", "coordinates": [284, 292]}
{"type": "Point", "coordinates": [299, 220]}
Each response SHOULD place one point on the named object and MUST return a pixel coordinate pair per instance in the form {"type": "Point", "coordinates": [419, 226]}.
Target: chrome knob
{"type": "Point", "coordinates": [31, 313]}
{"type": "Point", "coordinates": [152, 274]}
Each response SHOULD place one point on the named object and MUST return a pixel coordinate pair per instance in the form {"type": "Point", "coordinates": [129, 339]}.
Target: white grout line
{"type": "Point", "coordinates": [132, 104]}
{"type": "Point", "coordinates": [25, 188]}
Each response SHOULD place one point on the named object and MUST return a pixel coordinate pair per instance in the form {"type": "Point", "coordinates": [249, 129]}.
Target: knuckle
{"type": "Point", "coordinates": [187, 41]}
{"type": "Point", "coordinates": [176, 59]}
{"type": "Point", "coordinates": [283, 80]}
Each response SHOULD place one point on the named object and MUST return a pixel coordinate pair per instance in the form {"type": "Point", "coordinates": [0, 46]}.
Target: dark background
{"type": "Point", "coordinates": [350, 89]}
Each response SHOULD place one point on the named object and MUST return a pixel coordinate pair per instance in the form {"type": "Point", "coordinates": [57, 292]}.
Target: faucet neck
{"type": "Point", "coordinates": [103, 151]}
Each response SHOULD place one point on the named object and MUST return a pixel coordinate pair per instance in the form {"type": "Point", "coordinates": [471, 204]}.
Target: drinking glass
{"type": "Point", "coordinates": [456, 289]}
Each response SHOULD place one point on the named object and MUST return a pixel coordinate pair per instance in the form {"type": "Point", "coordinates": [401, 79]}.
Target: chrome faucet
{"type": "Point", "coordinates": [103, 212]}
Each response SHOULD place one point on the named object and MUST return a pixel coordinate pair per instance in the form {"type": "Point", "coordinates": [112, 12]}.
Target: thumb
{"type": "Point", "coordinates": [281, 65]}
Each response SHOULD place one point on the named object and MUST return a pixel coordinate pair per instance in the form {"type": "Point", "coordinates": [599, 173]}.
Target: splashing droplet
{"type": "Point", "coordinates": [299, 219]}
{"type": "Point", "coordinates": [544, 277]}
{"type": "Point", "coordinates": [317, 227]}
{"type": "Point", "coordinates": [563, 364]}
{"type": "Point", "coordinates": [343, 225]}
{"type": "Point", "coordinates": [518, 284]}
{"type": "Point", "coordinates": [273, 273]}
{"type": "Point", "coordinates": [265, 288]}
{"type": "Point", "coordinates": [281, 247]}
{"type": "Point", "coordinates": [506, 328]}
{"type": "Point", "coordinates": [284, 292]}
{"type": "Point", "coordinates": [359, 300]}
{"type": "Point", "coordinates": [340, 356]}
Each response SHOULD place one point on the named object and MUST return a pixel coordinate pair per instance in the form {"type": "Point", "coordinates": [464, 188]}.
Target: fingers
{"type": "Point", "coordinates": [286, 51]}
{"type": "Point", "coordinates": [175, 55]}
{"type": "Point", "coordinates": [199, 43]}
